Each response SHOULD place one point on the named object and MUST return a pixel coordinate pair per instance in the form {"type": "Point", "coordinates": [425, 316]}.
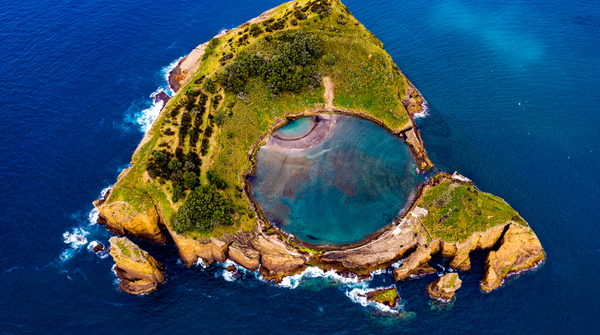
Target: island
{"type": "Point", "coordinates": [295, 117]}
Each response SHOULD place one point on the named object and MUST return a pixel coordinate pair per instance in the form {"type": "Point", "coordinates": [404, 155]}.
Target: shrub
{"type": "Point", "coordinates": [220, 118]}
{"type": "Point", "coordinates": [329, 59]}
{"type": "Point", "coordinates": [214, 179]}
{"type": "Point", "coordinates": [204, 209]}
{"type": "Point", "coordinates": [255, 30]}
{"type": "Point", "coordinates": [294, 22]}
{"type": "Point", "coordinates": [210, 48]}
{"type": "Point", "coordinates": [210, 86]}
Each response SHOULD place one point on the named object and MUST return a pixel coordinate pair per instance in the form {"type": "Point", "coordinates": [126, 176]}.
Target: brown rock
{"type": "Point", "coordinates": [278, 258]}
{"type": "Point", "coordinates": [386, 296]}
{"type": "Point", "coordinates": [242, 252]}
{"type": "Point", "coordinates": [210, 250]}
{"type": "Point", "coordinates": [520, 250]}
{"type": "Point", "coordinates": [122, 220]}
{"type": "Point", "coordinates": [98, 248]}
{"type": "Point", "coordinates": [416, 264]}
{"type": "Point", "coordinates": [380, 252]}
{"type": "Point", "coordinates": [139, 272]}
{"type": "Point", "coordinates": [444, 288]}
{"type": "Point", "coordinates": [477, 241]}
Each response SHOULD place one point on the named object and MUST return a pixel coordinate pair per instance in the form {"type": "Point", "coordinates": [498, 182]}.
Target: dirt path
{"type": "Point", "coordinates": [328, 92]}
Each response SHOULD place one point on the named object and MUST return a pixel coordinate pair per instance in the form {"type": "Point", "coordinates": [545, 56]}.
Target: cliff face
{"type": "Point", "coordinates": [520, 250]}
{"type": "Point", "coordinates": [120, 219]}
{"type": "Point", "coordinates": [140, 273]}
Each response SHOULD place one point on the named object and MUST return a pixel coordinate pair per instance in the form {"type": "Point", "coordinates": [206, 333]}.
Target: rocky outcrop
{"type": "Point", "coordinates": [242, 252]}
{"type": "Point", "coordinates": [412, 100]}
{"type": "Point", "coordinates": [140, 273]}
{"type": "Point", "coordinates": [444, 288]}
{"type": "Point", "coordinates": [208, 249]}
{"type": "Point", "coordinates": [520, 250]}
{"type": "Point", "coordinates": [415, 265]}
{"type": "Point", "coordinates": [478, 241]}
{"type": "Point", "coordinates": [380, 252]}
{"type": "Point", "coordinates": [413, 139]}
{"type": "Point", "coordinates": [277, 257]}
{"type": "Point", "coordinates": [385, 296]}
{"type": "Point", "coordinates": [120, 219]}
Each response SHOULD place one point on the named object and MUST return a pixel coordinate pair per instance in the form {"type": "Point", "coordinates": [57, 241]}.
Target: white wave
{"type": "Point", "coordinates": [105, 190]}
{"type": "Point", "coordinates": [359, 296]}
{"type": "Point", "coordinates": [314, 272]}
{"type": "Point", "coordinates": [76, 239]}
{"type": "Point", "coordinates": [145, 118]}
{"type": "Point", "coordinates": [93, 216]}
{"type": "Point", "coordinates": [201, 262]}
{"type": "Point", "coordinates": [422, 113]}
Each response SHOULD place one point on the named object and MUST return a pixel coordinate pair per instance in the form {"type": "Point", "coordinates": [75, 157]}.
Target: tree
{"type": "Point", "coordinates": [190, 180]}
{"type": "Point", "coordinates": [204, 209]}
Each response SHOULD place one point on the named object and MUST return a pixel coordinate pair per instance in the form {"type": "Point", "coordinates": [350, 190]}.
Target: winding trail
{"type": "Point", "coordinates": [328, 95]}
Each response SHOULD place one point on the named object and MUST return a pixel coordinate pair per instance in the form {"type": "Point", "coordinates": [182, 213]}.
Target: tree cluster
{"type": "Point", "coordinates": [291, 67]}
{"type": "Point", "coordinates": [204, 209]}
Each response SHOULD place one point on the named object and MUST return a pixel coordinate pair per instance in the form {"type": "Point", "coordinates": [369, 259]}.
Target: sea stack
{"type": "Point", "coordinates": [444, 288]}
{"type": "Point", "coordinates": [140, 273]}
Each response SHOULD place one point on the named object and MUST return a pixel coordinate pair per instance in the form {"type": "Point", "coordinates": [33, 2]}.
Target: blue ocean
{"type": "Point", "coordinates": [514, 96]}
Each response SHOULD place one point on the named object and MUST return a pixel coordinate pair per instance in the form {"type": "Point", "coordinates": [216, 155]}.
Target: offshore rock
{"type": "Point", "coordinates": [140, 273]}
{"type": "Point", "coordinates": [385, 296]}
{"type": "Point", "coordinates": [120, 219]}
{"type": "Point", "coordinates": [520, 250]}
{"type": "Point", "coordinates": [444, 288]}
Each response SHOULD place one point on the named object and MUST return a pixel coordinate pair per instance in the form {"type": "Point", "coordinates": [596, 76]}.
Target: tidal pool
{"type": "Point", "coordinates": [333, 179]}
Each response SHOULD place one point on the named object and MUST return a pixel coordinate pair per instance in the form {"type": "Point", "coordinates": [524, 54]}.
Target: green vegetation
{"type": "Point", "coordinates": [285, 62]}
{"type": "Point", "coordinates": [458, 210]}
{"type": "Point", "coordinates": [387, 296]}
{"type": "Point", "coordinates": [124, 250]}
{"type": "Point", "coordinates": [204, 209]}
{"type": "Point", "coordinates": [214, 120]}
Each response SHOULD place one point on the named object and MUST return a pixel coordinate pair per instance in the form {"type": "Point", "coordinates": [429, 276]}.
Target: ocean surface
{"type": "Point", "coordinates": [513, 92]}
{"type": "Point", "coordinates": [336, 192]}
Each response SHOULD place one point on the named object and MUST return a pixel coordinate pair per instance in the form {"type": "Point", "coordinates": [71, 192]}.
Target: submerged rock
{"type": "Point", "coordinates": [139, 272]}
{"type": "Point", "coordinates": [445, 287]}
{"type": "Point", "coordinates": [98, 248]}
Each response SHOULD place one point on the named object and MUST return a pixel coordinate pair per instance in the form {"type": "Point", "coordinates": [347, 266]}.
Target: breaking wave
{"type": "Point", "coordinates": [150, 110]}
{"type": "Point", "coordinates": [359, 296]}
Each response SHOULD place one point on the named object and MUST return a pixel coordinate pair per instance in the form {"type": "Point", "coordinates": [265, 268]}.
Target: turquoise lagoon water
{"type": "Point", "coordinates": [340, 190]}
{"type": "Point", "coordinates": [296, 128]}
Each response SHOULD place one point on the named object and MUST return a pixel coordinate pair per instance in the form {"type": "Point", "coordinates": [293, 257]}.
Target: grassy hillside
{"type": "Point", "coordinates": [457, 210]}
{"type": "Point", "coordinates": [220, 126]}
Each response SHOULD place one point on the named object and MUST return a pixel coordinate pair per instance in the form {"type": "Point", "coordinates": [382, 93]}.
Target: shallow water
{"type": "Point", "coordinates": [296, 128]}
{"type": "Point", "coordinates": [340, 190]}
{"type": "Point", "coordinates": [513, 93]}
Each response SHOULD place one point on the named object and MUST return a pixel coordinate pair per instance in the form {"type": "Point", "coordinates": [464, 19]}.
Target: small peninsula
{"type": "Point", "coordinates": [289, 80]}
